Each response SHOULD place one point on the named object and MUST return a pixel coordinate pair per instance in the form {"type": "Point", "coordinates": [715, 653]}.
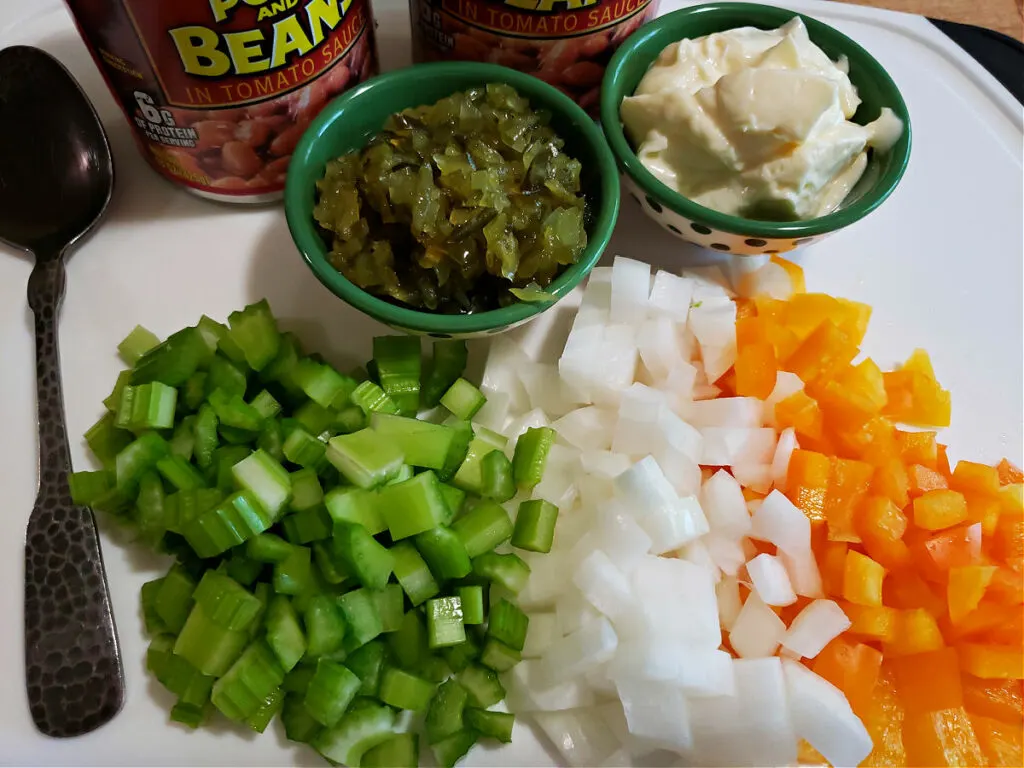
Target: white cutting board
{"type": "Point", "coordinates": [940, 262]}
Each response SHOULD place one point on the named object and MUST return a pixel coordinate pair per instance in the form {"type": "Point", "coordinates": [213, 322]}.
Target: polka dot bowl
{"type": "Point", "coordinates": [733, 234]}
{"type": "Point", "coordinates": [349, 121]}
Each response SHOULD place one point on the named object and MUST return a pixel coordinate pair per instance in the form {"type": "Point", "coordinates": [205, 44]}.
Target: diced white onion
{"type": "Point", "coordinates": [721, 498]}
{"type": "Point", "coordinates": [671, 296]}
{"type": "Point", "coordinates": [780, 461]}
{"type": "Point", "coordinates": [814, 627]}
{"type": "Point", "coordinates": [770, 580]}
{"type": "Point", "coordinates": [757, 631]}
{"type": "Point", "coordinates": [631, 284]}
{"type": "Point", "coordinates": [778, 521]}
{"type": "Point", "coordinates": [581, 736]}
{"type": "Point", "coordinates": [575, 654]}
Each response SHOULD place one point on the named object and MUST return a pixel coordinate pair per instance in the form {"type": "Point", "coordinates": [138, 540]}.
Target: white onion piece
{"type": "Point", "coordinates": [814, 627]}
{"type": "Point", "coordinates": [771, 280]}
{"type": "Point", "coordinates": [678, 387]}
{"type": "Point", "coordinates": [546, 390]}
{"type": "Point", "coordinates": [631, 286]}
{"type": "Point", "coordinates": [547, 579]}
{"type": "Point", "coordinates": [604, 463]}
{"type": "Point", "coordinates": [727, 553]}
{"type": "Point", "coordinates": [697, 672]}
{"type": "Point", "coordinates": [575, 654]}
{"type": "Point", "coordinates": [786, 384]}
{"type": "Point", "coordinates": [770, 580]}
{"type": "Point", "coordinates": [822, 716]}
{"type": "Point", "coordinates": [518, 425]}
{"type": "Point", "coordinates": [543, 632]}
{"type": "Point", "coordinates": [678, 435]}
{"type": "Point", "coordinates": [756, 477]}
{"type": "Point", "coordinates": [671, 296]}
{"type": "Point", "coordinates": [757, 631]}
{"type": "Point", "coordinates": [572, 611]}
{"type": "Point", "coordinates": [620, 536]}
{"type": "Point", "coordinates": [593, 490]}
{"type": "Point", "coordinates": [598, 293]}
{"type": "Point", "coordinates": [588, 428]}
{"type": "Point", "coordinates": [581, 736]}
{"type": "Point", "coordinates": [656, 714]}
{"type": "Point", "coordinates": [600, 362]}
{"type": "Point", "coordinates": [558, 485]}
{"type": "Point", "coordinates": [803, 572]}
{"type": "Point", "coordinates": [658, 344]}
{"type": "Point", "coordinates": [696, 552]}
{"type": "Point", "coordinates": [604, 586]}
{"type": "Point", "coordinates": [669, 520]}
{"type": "Point", "coordinates": [529, 690]}
{"type": "Point", "coordinates": [504, 359]}
{"type": "Point", "coordinates": [727, 592]}
{"type": "Point", "coordinates": [779, 521]}
{"type": "Point", "coordinates": [494, 413]}
{"type": "Point", "coordinates": [682, 472]}
{"type": "Point", "coordinates": [725, 446]}
{"type": "Point", "coordinates": [676, 599]}
{"type": "Point", "coordinates": [721, 498]}
{"type": "Point", "coordinates": [716, 360]}
{"type": "Point", "coordinates": [726, 412]}
{"type": "Point", "coordinates": [780, 461]}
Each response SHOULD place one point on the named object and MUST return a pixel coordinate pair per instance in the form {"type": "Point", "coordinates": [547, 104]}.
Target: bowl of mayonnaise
{"type": "Point", "coordinates": [751, 129]}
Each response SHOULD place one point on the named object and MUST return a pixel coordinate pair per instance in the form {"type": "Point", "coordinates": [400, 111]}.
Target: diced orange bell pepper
{"type": "Point", "coordinates": [851, 667]}
{"type": "Point", "coordinates": [862, 579]}
{"type": "Point", "coordinates": [917, 631]}
{"type": "Point", "coordinates": [969, 476]}
{"type": "Point", "coordinates": [938, 510]}
{"type": "Point", "coordinates": [991, 661]}
{"type": "Point", "coordinates": [942, 461]}
{"type": "Point", "coordinates": [922, 479]}
{"type": "Point", "coordinates": [848, 485]}
{"type": "Point", "coordinates": [795, 272]}
{"type": "Point", "coordinates": [883, 717]}
{"type": "Point", "coordinates": [989, 621]}
{"type": "Point", "coordinates": [1012, 498]}
{"type": "Point", "coordinates": [804, 313]}
{"type": "Point", "coordinates": [1007, 541]}
{"type": "Point", "coordinates": [756, 370]}
{"type": "Point", "coordinates": [821, 354]}
{"type": "Point", "coordinates": [874, 441]}
{"type": "Point", "coordinates": [1000, 742]}
{"type": "Point", "coordinates": [1006, 587]}
{"type": "Point", "coordinates": [1008, 473]}
{"type": "Point", "coordinates": [881, 527]}
{"type": "Point", "coordinates": [1010, 631]}
{"type": "Point", "coordinates": [916, 399]}
{"type": "Point", "coordinates": [999, 699]}
{"type": "Point", "coordinates": [807, 483]}
{"type": "Point", "coordinates": [745, 308]}
{"type": "Point", "coordinates": [936, 553]}
{"type": "Point", "coordinates": [942, 738]}
{"type": "Point", "coordinates": [854, 320]}
{"type": "Point", "coordinates": [904, 589]}
{"type": "Point", "coordinates": [832, 564]}
{"type": "Point", "coordinates": [752, 330]}
{"type": "Point", "coordinates": [965, 588]}
{"type": "Point", "coordinates": [855, 394]}
{"type": "Point", "coordinates": [930, 681]}
{"type": "Point", "coordinates": [892, 481]}
{"type": "Point", "coordinates": [802, 413]}
{"type": "Point", "coordinates": [917, 448]}
{"type": "Point", "coordinates": [919, 362]}
{"type": "Point", "coordinates": [875, 622]}
{"type": "Point", "coordinates": [983, 509]}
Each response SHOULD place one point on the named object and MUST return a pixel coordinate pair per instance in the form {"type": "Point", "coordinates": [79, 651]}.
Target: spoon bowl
{"type": "Point", "coordinates": [56, 178]}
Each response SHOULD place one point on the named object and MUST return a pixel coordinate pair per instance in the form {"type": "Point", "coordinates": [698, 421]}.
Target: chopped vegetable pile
{"type": "Point", "coordinates": [338, 560]}
{"type": "Point", "coordinates": [461, 206]}
{"type": "Point", "coordinates": [755, 563]}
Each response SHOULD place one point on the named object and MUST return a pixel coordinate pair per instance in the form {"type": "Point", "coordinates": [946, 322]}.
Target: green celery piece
{"type": "Point", "coordinates": [494, 725]}
{"type": "Point", "coordinates": [444, 622]}
{"type": "Point", "coordinates": [226, 602]}
{"type": "Point", "coordinates": [297, 681]}
{"type": "Point", "coordinates": [268, 548]}
{"type": "Point", "coordinates": [313, 418]}
{"type": "Point", "coordinates": [531, 455]}
{"type": "Point", "coordinates": [87, 487]}
{"type": "Point", "coordinates": [321, 383]}
{"type": "Point", "coordinates": [360, 729]}
{"type": "Point", "coordinates": [507, 570]}
{"type": "Point", "coordinates": [183, 507]}
{"type": "Point", "coordinates": [402, 690]}
{"type": "Point", "coordinates": [211, 332]}
{"type": "Point", "coordinates": [254, 331]}
{"type": "Point", "coordinates": [462, 655]}
{"type": "Point", "coordinates": [365, 458]}
{"type": "Point", "coordinates": [433, 668]}
{"type": "Point", "coordinates": [332, 571]}
{"type": "Point", "coordinates": [150, 508]}
{"type": "Point", "coordinates": [183, 441]}
{"type": "Point", "coordinates": [469, 476]}
{"type": "Point", "coordinates": [449, 751]}
{"type": "Point", "coordinates": [270, 707]}
{"type": "Point", "coordinates": [355, 506]}
{"type": "Point", "coordinates": [205, 431]}
{"type": "Point", "coordinates": [266, 405]}
{"type": "Point", "coordinates": [113, 401]}
{"type": "Point", "coordinates": [232, 522]}
{"type": "Point", "coordinates": [136, 344]}
{"type": "Point", "coordinates": [459, 449]}
{"type": "Point", "coordinates": [306, 490]}
{"type": "Point", "coordinates": [445, 713]}
{"type": "Point", "coordinates": [390, 603]}
{"type": "Point", "coordinates": [280, 368]}
{"type": "Point", "coordinates": [372, 399]}
{"type": "Point", "coordinates": [106, 441]}
{"type": "Point", "coordinates": [243, 570]}
{"type": "Point", "coordinates": [413, 506]}
{"type": "Point", "coordinates": [245, 687]}
{"type": "Point", "coordinates": [400, 751]}
{"type": "Point", "coordinates": [299, 725]}
{"type": "Point", "coordinates": [224, 459]}
{"type": "Point", "coordinates": [472, 597]}
{"type": "Point", "coordinates": [448, 362]}
{"type": "Point", "coordinates": [369, 561]}
{"type": "Point", "coordinates": [349, 419]}
{"type": "Point", "coordinates": [454, 498]}
{"type": "Point", "coordinates": [405, 473]}
{"type": "Point", "coordinates": [496, 477]}
{"type": "Point", "coordinates": [264, 477]}
{"type": "Point", "coordinates": [225, 376]}
{"type": "Point", "coordinates": [173, 361]}
{"type": "Point", "coordinates": [271, 439]}
{"type": "Point", "coordinates": [535, 526]}
{"type": "Point", "coordinates": [303, 449]}
{"type": "Point", "coordinates": [498, 656]}
{"type": "Point", "coordinates": [423, 443]}
{"type": "Point", "coordinates": [508, 624]}
{"type": "Point", "coordinates": [174, 598]}
{"type": "Point", "coordinates": [176, 674]}
{"type": "Point", "coordinates": [482, 685]}
{"type": "Point", "coordinates": [307, 526]}
{"type": "Point", "coordinates": [483, 527]}
{"type": "Point", "coordinates": [208, 646]}
{"type": "Point", "coordinates": [193, 392]}
{"type": "Point", "coordinates": [398, 367]}
{"type": "Point", "coordinates": [325, 627]}
{"type": "Point", "coordinates": [137, 458]}
{"type": "Point", "coordinates": [331, 690]}
{"type": "Point", "coordinates": [152, 622]}
{"type": "Point", "coordinates": [233, 411]}
{"type": "Point", "coordinates": [444, 553]}
{"type": "Point", "coordinates": [367, 661]}
{"type": "Point", "coordinates": [463, 399]}
{"type": "Point", "coordinates": [188, 714]}
{"type": "Point", "coordinates": [413, 574]}
{"type": "Point", "coordinates": [294, 576]}
{"type": "Point", "coordinates": [362, 621]}
{"type": "Point", "coordinates": [409, 643]}
{"type": "Point", "coordinates": [147, 406]}
{"type": "Point", "coordinates": [180, 473]}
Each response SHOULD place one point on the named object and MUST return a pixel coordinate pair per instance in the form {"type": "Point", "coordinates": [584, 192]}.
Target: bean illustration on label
{"type": "Point", "coordinates": [567, 43]}
{"type": "Point", "coordinates": [219, 92]}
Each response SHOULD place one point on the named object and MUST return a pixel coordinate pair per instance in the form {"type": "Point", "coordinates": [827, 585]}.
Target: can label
{"type": "Point", "coordinates": [219, 91]}
{"type": "Point", "coordinates": [565, 42]}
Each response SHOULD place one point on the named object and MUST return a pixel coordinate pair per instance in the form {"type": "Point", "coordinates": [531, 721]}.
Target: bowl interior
{"type": "Point", "coordinates": [874, 86]}
{"type": "Point", "coordinates": [347, 123]}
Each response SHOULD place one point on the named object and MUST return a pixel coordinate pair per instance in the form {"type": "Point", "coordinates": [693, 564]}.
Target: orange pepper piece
{"type": "Point", "coordinates": [855, 395]}
{"type": "Point", "coordinates": [832, 565]}
{"type": "Point", "coordinates": [918, 448]}
{"type": "Point", "coordinates": [935, 554]}
{"type": "Point", "coordinates": [756, 370]}
{"type": "Point", "coordinates": [881, 526]}
{"type": "Point", "coordinates": [805, 312]}
{"type": "Point", "coordinates": [854, 319]}
{"type": "Point", "coordinates": [999, 699]}
{"type": "Point", "coordinates": [1006, 587]}
{"type": "Point", "coordinates": [807, 483]}
{"type": "Point", "coordinates": [848, 485]}
{"type": "Point", "coordinates": [942, 462]}
{"type": "Point", "coordinates": [1007, 541]}
{"type": "Point", "coordinates": [904, 589]}
{"type": "Point", "coordinates": [877, 622]}
{"type": "Point", "coordinates": [923, 479]}
{"type": "Point", "coordinates": [1009, 631]}
{"type": "Point", "coordinates": [883, 717]}
{"type": "Point", "coordinates": [930, 681]}
{"type": "Point", "coordinates": [916, 399]}
{"type": "Point", "coordinates": [937, 510]}
{"type": "Point", "coordinates": [824, 353]}
{"type": "Point", "coordinates": [892, 481]}
{"type": "Point", "coordinates": [802, 413]}
{"type": "Point", "coordinates": [919, 362]}
{"type": "Point", "coordinates": [942, 738]}
{"type": "Point", "coordinates": [1012, 498]}
{"type": "Point", "coordinates": [1000, 742]}
{"type": "Point", "coordinates": [965, 588]}
{"type": "Point", "coordinates": [795, 272]}
{"type": "Point", "coordinates": [851, 667]}
{"type": "Point", "coordinates": [917, 631]}
{"type": "Point", "coordinates": [990, 661]}
{"type": "Point", "coordinates": [1008, 473]}
{"type": "Point", "coordinates": [989, 621]}
{"type": "Point", "coordinates": [862, 579]}
{"type": "Point", "coordinates": [970, 476]}
{"type": "Point", "coordinates": [983, 509]}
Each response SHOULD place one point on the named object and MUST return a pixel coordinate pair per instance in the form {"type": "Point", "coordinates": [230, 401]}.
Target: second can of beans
{"type": "Point", "coordinates": [218, 92]}
{"type": "Point", "coordinates": [565, 42]}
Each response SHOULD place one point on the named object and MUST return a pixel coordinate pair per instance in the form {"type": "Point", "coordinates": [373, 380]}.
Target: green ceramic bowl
{"type": "Point", "coordinates": [349, 121]}
{"type": "Point", "coordinates": [711, 229]}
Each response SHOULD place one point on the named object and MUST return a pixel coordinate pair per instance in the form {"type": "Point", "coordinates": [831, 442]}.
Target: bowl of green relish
{"type": "Point", "coordinates": [452, 200]}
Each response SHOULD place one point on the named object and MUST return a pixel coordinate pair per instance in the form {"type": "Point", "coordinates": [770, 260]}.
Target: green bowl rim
{"type": "Point", "coordinates": [738, 225]}
{"type": "Point", "coordinates": [310, 245]}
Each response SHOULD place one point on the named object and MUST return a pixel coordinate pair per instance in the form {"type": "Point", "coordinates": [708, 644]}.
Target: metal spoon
{"type": "Point", "coordinates": [56, 177]}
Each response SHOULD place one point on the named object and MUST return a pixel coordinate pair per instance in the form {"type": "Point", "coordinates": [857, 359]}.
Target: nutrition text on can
{"type": "Point", "coordinates": [218, 92]}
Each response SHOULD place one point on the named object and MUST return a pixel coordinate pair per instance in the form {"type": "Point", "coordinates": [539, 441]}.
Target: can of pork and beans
{"type": "Point", "coordinates": [567, 43]}
{"type": "Point", "coordinates": [218, 92]}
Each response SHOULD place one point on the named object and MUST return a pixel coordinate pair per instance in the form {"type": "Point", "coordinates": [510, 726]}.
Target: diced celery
{"type": "Point", "coordinates": [224, 459]}
{"type": "Point", "coordinates": [469, 476]}
{"type": "Point", "coordinates": [445, 713]}
{"type": "Point", "coordinates": [280, 368]}
{"type": "Point", "coordinates": [409, 643]}
{"type": "Point", "coordinates": [299, 725]}
{"type": "Point", "coordinates": [87, 487]}
{"type": "Point", "coordinates": [422, 443]}
{"type": "Point", "coordinates": [472, 598]}
{"type": "Point", "coordinates": [268, 548]}
{"type": "Point", "coordinates": [413, 574]}
{"type": "Point", "coordinates": [297, 681]}
{"type": "Point", "coordinates": [176, 674]}
{"type": "Point", "coordinates": [400, 751]}
{"type": "Point", "coordinates": [498, 656]}
{"type": "Point", "coordinates": [205, 432]}
{"type": "Point", "coordinates": [462, 655]}
{"type": "Point", "coordinates": [207, 646]}
{"type": "Point", "coordinates": [449, 751]}
{"type": "Point", "coordinates": [365, 458]}
{"type": "Point", "coordinates": [247, 685]}
{"type": "Point", "coordinates": [325, 628]}
{"type": "Point", "coordinates": [265, 479]}
{"type": "Point", "coordinates": [151, 619]}
{"type": "Point", "coordinates": [271, 439]}
{"type": "Point", "coordinates": [433, 668]}
{"type": "Point", "coordinates": [483, 527]}
{"type": "Point", "coordinates": [294, 575]}
{"type": "Point", "coordinates": [362, 621]}
{"type": "Point", "coordinates": [106, 441]}
{"type": "Point", "coordinates": [405, 691]}
{"type": "Point", "coordinates": [303, 449]}
{"type": "Point", "coordinates": [138, 457]}
{"type": "Point", "coordinates": [173, 361]}
{"type": "Point", "coordinates": [535, 526]}
{"type": "Point", "coordinates": [254, 331]}
{"type": "Point", "coordinates": [284, 633]}
{"type": "Point", "coordinates": [332, 571]}
{"type": "Point", "coordinates": [444, 622]}
{"type": "Point", "coordinates": [349, 419]}
{"type": "Point", "coordinates": [174, 598]}
{"type": "Point", "coordinates": [495, 725]}
{"type": "Point", "coordinates": [136, 344]}
{"type": "Point", "coordinates": [225, 601]}
{"type": "Point", "coordinates": [458, 450]}
{"type": "Point", "coordinates": [496, 477]}
{"type": "Point", "coordinates": [369, 561]}
{"type": "Point", "coordinates": [444, 553]}
{"type": "Point", "coordinates": [372, 399]}
{"type": "Point", "coordinates": [531, 455]}
{"type": "Point", "coordinates": [390, 603]}
{"type": "Point", "coordinates": [266, 405]}
{"type": "Point", "coordinates": [414, 506]}
{"type": "Point", "coordinates": [360, 729]}
{"type": "Point", "coordinates": [183, 507]}
{"type": "Point", "coordinates": [233, 411]}
{"type": "Point", "coordinates": [232, 522]}
{"type": "Point", "coordinates": [113, 401]}
{"type": "Point", "coordinates": [180, 473]}
{"type": "Point", "coordinates": [225, 376]}
{"type": "Point", "coordinates": [448, 363]}
{"type": "Point", "coordinates": [463, 399]}
{"type": "Point", "coordinates": [398, 368]}
{"type": "Point", "coordinates": [321, 383]}
{"type": "Point", "coordinates": [508, 624]}
{"type": "Point", "coordinates": [307, 526]}
{"type": "Point", "coordinates": [259, 720]}
{"type": "Point", "coordinates": [313, 418]}
{"type": "Point", "coordinates": [355, 506]}
{"type": "Point", "coordinates": [331, 690]}
{"type": "Point", "coordinates": [482, 685]}
{"type": "Point", "coordinates": [454, 498]}
{"type": "Point", "coordinates": [147, 406]}
{"type": "Point", "coordinates": [508, 570]}
{"type": "Point", "coordinates": [188, 714]}
{"type": "Point", "coordinates": [306, 490]}
{"type": "Point", "coordinates": [183, 441]}
{"type": "Point", "coordinates": [367, 661]}
{"type": "Point", "coordinates": [193, 391]}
